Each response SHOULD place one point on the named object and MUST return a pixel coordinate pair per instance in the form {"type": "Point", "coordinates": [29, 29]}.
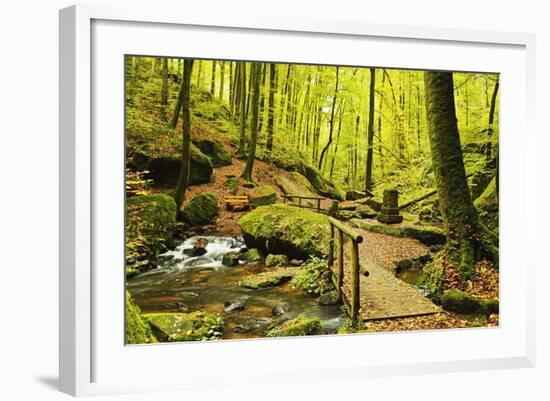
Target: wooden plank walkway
{"type": "Point", "coordinates": [383, 295]}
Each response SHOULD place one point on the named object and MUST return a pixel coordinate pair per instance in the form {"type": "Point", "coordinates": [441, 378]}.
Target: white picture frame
{"type": "Point", "coordinates": [89, 367]}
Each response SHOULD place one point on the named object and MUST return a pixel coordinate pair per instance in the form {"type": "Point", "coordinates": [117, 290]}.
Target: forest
{"type": "Point", "coordinates": [269, 199]}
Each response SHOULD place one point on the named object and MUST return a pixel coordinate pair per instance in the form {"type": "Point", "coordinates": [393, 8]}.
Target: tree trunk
{"type": "Point", "coordinates": [256, 73]}
{"type": "Point", "coordinates": [213, 79]}
{"type": "Point", "coordinates": [262, 99]}
{"type": "Point", "coordinates": [271, 105]}
{"type": "Point", "coordinates": [242, 112]}
{"type": "Point", "coordinates": [488, 150]}
{"type": "Point", "coordinates": [179, 193]}
{"type": "Point", "coordinates": [334, 98]}
{"type": "Point", "coordinates": [370, 132]}
{"type": "Point", "coordinates": [164, 89]}
{"type": "Point", "coordinates": [459, 214]}
{"type": "Point", "coordinates": [179, 102]}
{"type": "Point", "coordinates": [341, 117]}
{"type": "Point", "coordinates": [222, 80]}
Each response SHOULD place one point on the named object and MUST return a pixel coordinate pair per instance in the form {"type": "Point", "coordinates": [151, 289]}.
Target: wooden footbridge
{"type": "Point", "coordinates": [368, 290]}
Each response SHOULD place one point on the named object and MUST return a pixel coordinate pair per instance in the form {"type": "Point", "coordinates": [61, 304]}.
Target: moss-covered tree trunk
{"type": "Point", "coordinates": [242, 109]}
{"type": "Point", "coordinates": [213, 79]}
{"type": "Point", "coordinates": [488, 150]}
{"type": "Point", "coordinates": [370, 132]}
{"type": "Point", "coordinates": [460, 216]}
{"type": "Point", "coordinates": [183, 178]}
{"type": "Point", "coordinates": [255, 103]}
{"type": "Point", "coordinates": [329, 142]}
{"type": "Point", "coordinates": [271, 106]}
{"type": "Point", "coordinates": [164, 89]}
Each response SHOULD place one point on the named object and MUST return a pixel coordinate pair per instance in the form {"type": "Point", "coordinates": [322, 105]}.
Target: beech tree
{"type": "Point", "coordinates": [255, 105]}
{"type": "Point", "coordinates": [183, 178]}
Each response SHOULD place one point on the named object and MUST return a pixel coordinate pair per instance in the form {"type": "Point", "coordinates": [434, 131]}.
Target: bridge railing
{"type": "Point", "coordinates": [317, 199]}
{"type": "Point", "coordinates": [337, 231]}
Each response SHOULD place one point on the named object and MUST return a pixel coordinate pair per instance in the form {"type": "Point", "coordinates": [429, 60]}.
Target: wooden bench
{"type": "Point", "coordinates": [236, 200]}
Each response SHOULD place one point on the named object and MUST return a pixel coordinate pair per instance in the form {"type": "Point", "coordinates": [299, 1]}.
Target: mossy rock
{"type": "Point", "coordinates": [194, 326]}
{"type": "Point", "coordinates": [276, 260]}
{"type": "Point", "coordinates": [252, 255]}
{"type": "Point", "coordinates": [289, 230]}
{"type": "Point", "coordinates": [322, 185]}
{"type": "Point", "coordinates": [297, 184]}
{"type": "Point", "coordinates": [215, 150]}
{"type": "Point", "coordinates": [137, 329]}
{"type": "Point", "coordinates": [313, 277]}
{"type": "Point", "coordinates": [150, 222]}
{"type": "Point", "coordinates": [329, 298]}
{"type": "Point", "coordinates": [300, 326]}
{"type": "Point", "coordinates": [262, 195]}
{"type": "Point", "coordinates": [267, 279]}
{"type": "Point", "coordinates": [165, 169]}
{"type": "Point", "coordinates": [461, 302]}
{"type": "Point", "coordinates": [202, 209]}
{"type": "Point", "coordinates": [428, 235]}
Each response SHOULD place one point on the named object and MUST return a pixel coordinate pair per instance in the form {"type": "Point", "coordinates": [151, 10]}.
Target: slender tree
{"type": "Point", "coordinates": [255, 103]}
{"type": "Point", "coordinates": [271, 105]}
{"type": "Point", "coordinates": [181, 187]}
{"type": "Point", "coordinates": [370, 132]}
{"type": "Point", "coordinates": [177, 109]}
{"type": "Point", "coordinates": [164, 89]}
{"type": "Point", "coordinates": [331, 126]}
{"type": "Point", "coordinates": [222, 80]}
{"type": "Point", "coordinates": [242, 111]}
{"type": "Point", "coordinates": [488, 149]}
{"type": "Point", "coordinates": [213, 79]}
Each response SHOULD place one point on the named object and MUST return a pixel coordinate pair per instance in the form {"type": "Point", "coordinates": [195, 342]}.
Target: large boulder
{"type": "Point", "coordinates": [300, 326]}
{"type": "Point", "coordinates": [150, 222]}
{"type": "Point", "coordinates": [428, 235]}
{"type": "Point", "coordinates": [262, 195]}
{"type": "Point", "coordinates": [137, 329]}
{"type": "Point", "coordinates": [460, 302]}
{"type": "Point", "coordinates": [194, 326]}
{"type": "Point", "coordinates": [215, 150]}
{"type": "Point", "coordinates": [165, 169]}
{"type": "Point", "coordinates": [202, 209]}
{"type": "Point", "coordinates": [289, 230]}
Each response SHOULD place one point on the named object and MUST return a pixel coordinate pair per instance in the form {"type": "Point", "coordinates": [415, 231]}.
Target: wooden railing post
{"type": "Point", "coordinates": [340, 271]}
{"type": "Point", "coordinates": [318, 205]}
{"type": "Point", "coordinates": [355, 301]}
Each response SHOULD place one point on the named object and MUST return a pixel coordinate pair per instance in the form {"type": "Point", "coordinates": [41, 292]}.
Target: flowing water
{"type": "Point", "coordinates": [186, 283]}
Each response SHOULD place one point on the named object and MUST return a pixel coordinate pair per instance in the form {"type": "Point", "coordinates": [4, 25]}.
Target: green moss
{"type": "Point", "coordinates": [137, 329]}
{"type": "Point", "coordinates": [460, 302]}
{"type": "Point", "coordinates": [433, 275]}
{"type": "Point", "coordinates": [215, 150]}
{"type": "Point", "coordinates": [286, 230]}
{"type": "Point", "coordinates": [300, 326]}
{"type": "Point", "coordinates": [252, 255]}
{"type": "Point", "coordinates": [313, 277]}
{"type": "Point", "coordinates": [267, 279]}
{"type": "Point", "coordinates": [262, 195]}
{"type": "Point", "coordinates": [194, 326]}
{"type": "Point", "coordinates": [232, 183]}
{"type": "Point", "coordinates": [348, 328]}
{"type": "Point", "coordinates": [276, 260]}
{"type": "Point", "coordinates": [150, 222]}
{"type": "Point", "coordinates": [202, 209]}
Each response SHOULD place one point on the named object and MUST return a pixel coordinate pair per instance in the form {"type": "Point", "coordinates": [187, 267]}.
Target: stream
{"type": "Point", "coordinates": [183, 283]}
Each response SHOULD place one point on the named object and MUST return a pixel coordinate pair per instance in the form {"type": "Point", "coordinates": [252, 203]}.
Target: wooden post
{"type": "Point", "coordinates": [284, 199]}
{"type": "Point", "coordinates": [299, 202]}
{"type": "Point", "coordinates": [355, 282]}
{"type": "Point", "coordinates": [318, 205]}
{"type": "Point", "coordinates": [331, 247]}
{"type": "Point", "coordinates": [340, 277]}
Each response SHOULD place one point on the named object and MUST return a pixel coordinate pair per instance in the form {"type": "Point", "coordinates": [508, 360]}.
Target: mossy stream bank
{"type": "Point", "coordinates": [184, 284]}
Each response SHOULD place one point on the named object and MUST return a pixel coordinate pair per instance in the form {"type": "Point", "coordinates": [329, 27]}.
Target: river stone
{"type": "Point", "coordinates": [267, 279]}
{"type": "Point", "coordinates": [231, 259]}
{"type": "Point", "coordinates": [279, 310]}
{"type": "Point", "coordinates": [236, 305]}
{"type": "Point", "coordinates": [276, 260]}
{"type": "Point", "coordinates": [300, 326]}
{"type": "Point", "coordinates": [328, 298]}
{"type": "Point", "coordinates": [251, 255]}
{"type": "Point", "coordinates": [194, 326]}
